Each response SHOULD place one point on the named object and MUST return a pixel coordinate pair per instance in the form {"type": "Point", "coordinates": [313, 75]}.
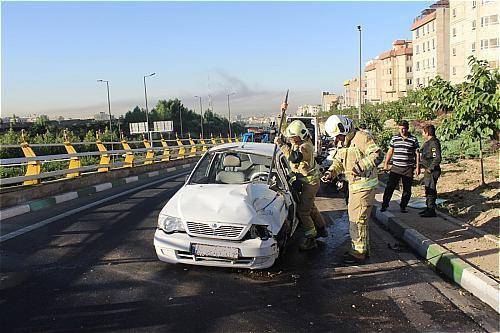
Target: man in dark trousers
{"type": "Point", "coordinates": [405, 162]}
{"type": "Point", "coordinates": [431, 158]}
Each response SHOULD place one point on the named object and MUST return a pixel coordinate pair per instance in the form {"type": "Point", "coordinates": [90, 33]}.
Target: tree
{"type": "Point", "coordinates": [475, 106]}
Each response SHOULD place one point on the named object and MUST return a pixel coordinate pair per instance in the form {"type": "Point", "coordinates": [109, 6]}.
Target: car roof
{"type": "Point", "coordinates": [259, 148]}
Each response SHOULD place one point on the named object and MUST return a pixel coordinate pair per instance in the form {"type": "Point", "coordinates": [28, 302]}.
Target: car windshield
{"type": "Point", "coordinates": [231, 167]}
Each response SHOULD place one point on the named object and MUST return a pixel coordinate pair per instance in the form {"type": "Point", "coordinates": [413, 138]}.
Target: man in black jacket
{"type": "Point", "coordinates": [430, 160]}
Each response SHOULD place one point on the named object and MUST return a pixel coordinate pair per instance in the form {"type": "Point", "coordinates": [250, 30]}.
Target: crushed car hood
{"type": "Point", "coordinates": [238, 204]}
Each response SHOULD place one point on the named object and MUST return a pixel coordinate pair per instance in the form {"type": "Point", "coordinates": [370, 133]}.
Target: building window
{"type": "Point", "coordinates": [454, 51]}
{"type": "Point", "coordinates": [454, 32]}
{"type": "Point", "coordinates": [493, 64]}
{"type": "Point", "coordinates": [484, 44]}
{"type": "Point", "coordinates": [474, 25]}
{"type": "Point", "coordinates": [427, 61]}
{"type": "Point", "coordinates": [474, 4]}
{"type": "Point", "coordinates": [408, 82]}
{"type": "Point", "coordinates": [433, 64]}
{"type": "Point", "coordinates": [433, 45]}
{"type": "Point", "coordinates": [423, 47]}
{"type": "Point", "coordinates": [473, 47]}
{"type": "Point", "coordinates": [427, 28]}
{"type": "Point", "coordinates": [433, 29]}
{"type": "Point", "coordinates": [429, 45]}
{"type": "Point", "coordinates": [418, 66]}
{"type": "Point", "coordinates": [454, 71]}
{"type": "Point", "coordinates": [493, 43]}
{"type": "Point", "coordinates": [418, 81]}
{"type": "Point", "coordinates": [417, 33]}
{"type": "Point", "coordinates": [454, 12]}
{"type": "Point", "coordinates": [408, 69]}
{"type": "Point", "coordinates": [493, 19]}
{"type": "Point", "coordinates": [417, 50]}
{"type": "Point", "coordinates": [390, 83]}
{"type": "Point", "coordinates": [484, 21]}
{"type": "Point", "coordinates": [390, 71]}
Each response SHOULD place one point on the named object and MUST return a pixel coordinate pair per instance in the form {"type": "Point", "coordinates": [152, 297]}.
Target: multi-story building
{"type": "Point", "coordinates": [395, 71]}
{"type": "Point", "coordinates": [474, 30]}
{"type": "Point", "coordinates": [351, 93]}
{"type": "Point", "coordinates": [431, 50]}
{"type": "Point", "coordinates": [373, 79]}
{"type": "Point", "coordinates": [328, 100]}
{"type": "Point", "coordinates": [308, 110]}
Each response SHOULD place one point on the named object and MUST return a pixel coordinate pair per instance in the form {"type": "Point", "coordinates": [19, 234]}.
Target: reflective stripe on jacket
{"type": "Point", "coordinates": [360, 149]}
{"type": "Point", "coordinates": [307, 170]}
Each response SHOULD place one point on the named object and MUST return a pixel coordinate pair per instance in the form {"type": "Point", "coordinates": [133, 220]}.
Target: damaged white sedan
{"type": "Point", "coordinates": [226, 214]}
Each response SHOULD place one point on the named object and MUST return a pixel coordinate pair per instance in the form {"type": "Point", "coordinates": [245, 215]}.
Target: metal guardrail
{"type": "Point", "coordinates": [126, 157]}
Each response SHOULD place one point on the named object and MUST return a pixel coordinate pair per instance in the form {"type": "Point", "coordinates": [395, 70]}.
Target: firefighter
{"type": "Point", "coordinates": [431, 158]}
{"type": "Point", "coordinates": [357, 159]}
{"type": "Point", "coordinates": [300, 153]}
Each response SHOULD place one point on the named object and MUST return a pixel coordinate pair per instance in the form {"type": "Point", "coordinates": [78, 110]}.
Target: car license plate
{"type": "Point", "coordinates": [215, 251]}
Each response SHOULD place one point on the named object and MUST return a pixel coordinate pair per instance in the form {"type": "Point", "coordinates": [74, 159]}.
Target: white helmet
{"type": "Point", "coordinates": [337, 124]}
{"type": "Point", "coordinates": [296, 128]}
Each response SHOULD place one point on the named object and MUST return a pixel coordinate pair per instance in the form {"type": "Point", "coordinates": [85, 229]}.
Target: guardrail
{"type": "Point", "coordinates": [109, 159]}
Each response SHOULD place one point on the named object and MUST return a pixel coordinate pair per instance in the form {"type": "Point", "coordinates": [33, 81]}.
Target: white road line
{"type": "Point", "coordinates": [79, 209]}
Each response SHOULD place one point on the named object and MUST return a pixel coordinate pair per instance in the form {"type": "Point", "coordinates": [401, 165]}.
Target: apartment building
{"type": "Point", "coordinates": [351, 93]}
{"type": "Point", "coordinates": [373, 79]}
{"type": "Point", "coordinates": [308, 110]}
{"type": "Point", "coordinates": [431, 47]}
{"type": "Point", "coordinates": [328, 100]}
{"type": "Point", "coordinates": [474, 30]}
{"type": "Point", "coordinates": [396, 73]}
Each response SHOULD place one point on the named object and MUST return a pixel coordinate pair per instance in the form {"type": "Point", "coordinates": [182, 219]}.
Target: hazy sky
{"type": "Point", "coordinates": [53, 52]}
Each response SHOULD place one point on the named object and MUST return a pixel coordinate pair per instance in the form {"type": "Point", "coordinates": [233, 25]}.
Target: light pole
{"type": "Point", "coordinates": [201, 116]}
{"type": "Point", "coordinates": [180, 115]}
{"type": "Point", "coordinates": [229, 113]}
{"type": "Point", "coordinates": [109, 112]}
{"type": "Point", "coordinates": [360, 92]}
{"type": "Point", "coordinates": [147, 112]}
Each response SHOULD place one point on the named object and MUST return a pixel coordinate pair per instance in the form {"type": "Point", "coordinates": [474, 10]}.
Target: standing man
{"type": "Point", "coordinates": [431, 158]}
{"type": "Point", "coordinates": [300, 154]}
{"type": "Point", "coordinates": [357, 159]}
{"type": "Point", "coordinates": [405, 162]}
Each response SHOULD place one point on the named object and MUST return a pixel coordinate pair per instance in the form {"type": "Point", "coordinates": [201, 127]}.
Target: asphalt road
{"type": "Point", "coordinates": [97, 271]}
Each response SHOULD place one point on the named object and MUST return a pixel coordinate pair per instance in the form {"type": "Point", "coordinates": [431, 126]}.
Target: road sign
{"type": "Point", "coordinates": [138, 128]}
{"type": "Point", "coordinates": [163, 126]}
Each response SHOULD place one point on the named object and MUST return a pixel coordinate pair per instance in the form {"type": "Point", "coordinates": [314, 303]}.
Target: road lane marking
{"type": "Point", "coordinates": [45, 222]}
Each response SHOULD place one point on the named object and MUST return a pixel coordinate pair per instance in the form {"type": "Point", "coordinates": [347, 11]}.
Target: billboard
{"type": "Point", "coordinates": [163, 126]}
{"type": "Point", "coordinates": [138, 128]}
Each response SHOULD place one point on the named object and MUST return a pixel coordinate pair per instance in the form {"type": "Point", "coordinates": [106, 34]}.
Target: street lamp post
{"type": "Point", "coordinates": [109, 112]}
{"type": "Point", "coordinates": [180, 115]}
{"type": "Point", "coordinates": [360, 91]}
{"type": "Point", "coordinates": [229, 113]}
{"type": "Point", "coordinates": [147, 111]}
{"type": "Point", "coordinates": [201, 116]}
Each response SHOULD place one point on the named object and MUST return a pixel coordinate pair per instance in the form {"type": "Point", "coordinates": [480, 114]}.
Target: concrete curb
{"type": "Point", "coordinates": [466, 276]}
{"type": "Point", "coordinates": [39, 204]}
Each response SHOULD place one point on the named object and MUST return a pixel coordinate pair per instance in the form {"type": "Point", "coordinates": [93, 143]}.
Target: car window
{"type": "Point", "coordinates": [233, 167]}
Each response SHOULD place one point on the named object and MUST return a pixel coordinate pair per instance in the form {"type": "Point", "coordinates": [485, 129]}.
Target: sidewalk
{"type": "Point", "coordinates": [452, 246]}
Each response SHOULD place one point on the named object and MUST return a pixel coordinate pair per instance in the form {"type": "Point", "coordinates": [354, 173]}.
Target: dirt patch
{"type": "Point", "coordinates": [460, 185]}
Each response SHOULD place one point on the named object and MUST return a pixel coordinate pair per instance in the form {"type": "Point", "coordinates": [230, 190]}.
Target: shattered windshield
{"type": "Point", "coordinates": [232, 167]}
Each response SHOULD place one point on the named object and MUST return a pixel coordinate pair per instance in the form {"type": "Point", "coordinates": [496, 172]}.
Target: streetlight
{"type": "Point", "coordinates": [201, 116]}
{"type": "Point", "coordinates": [229, 112]}
{"type": "Point", "coordinates": [109, 111]}
{"type": "Point", "coordinates": [180, 115]}
{"type": "Point", "coordinates": [147, 112]}
{"type": "Point", "coordinates": [359, 106]}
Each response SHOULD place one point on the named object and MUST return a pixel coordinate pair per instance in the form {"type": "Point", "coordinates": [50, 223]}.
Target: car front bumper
{"type": "Point", "coordinates": [253, 253]}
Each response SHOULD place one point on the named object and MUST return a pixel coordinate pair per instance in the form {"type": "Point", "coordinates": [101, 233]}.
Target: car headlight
{"type": "Point", "coordinates": [170, 224]}
{"type": "Point", "coordinates": [260, 231]}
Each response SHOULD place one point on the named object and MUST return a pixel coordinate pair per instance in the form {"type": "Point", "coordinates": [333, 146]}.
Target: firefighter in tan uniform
{"type": "Point", "coordinates": [300, 153]}
{"type": "Point", "coordinates": [357, 159]}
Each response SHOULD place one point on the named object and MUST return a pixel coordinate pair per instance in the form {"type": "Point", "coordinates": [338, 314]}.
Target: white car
{"type": "Point", "coordinates": [226, 214]}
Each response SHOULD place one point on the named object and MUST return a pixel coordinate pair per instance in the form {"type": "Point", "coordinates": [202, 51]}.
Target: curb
{"type": "Point", "coordinates": [466, 276]}
{"type": "Point", "coordinates": [36, 205]}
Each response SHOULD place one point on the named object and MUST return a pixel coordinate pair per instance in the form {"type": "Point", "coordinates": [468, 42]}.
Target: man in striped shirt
{"type": "Point", "coordinates": [405, 162]}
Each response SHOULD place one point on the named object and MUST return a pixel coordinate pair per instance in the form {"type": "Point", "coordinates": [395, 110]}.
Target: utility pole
{"type": "Point", "coordinates": [201, 117]}
{"type": "Point", "coordinates": [360, 91]}
{"type": "Point", "coordinates": [229, 113]}
{"type": "Point", "coordinates": [147, 111]}
{"type": "Point", "coordinates": [180, 115]}
{"type": "Point", "coordinates": [109, 112]}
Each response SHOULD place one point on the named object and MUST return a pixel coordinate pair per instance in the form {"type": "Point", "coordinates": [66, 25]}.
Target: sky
{"type": "Point", "coordinates": [53, 53]}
